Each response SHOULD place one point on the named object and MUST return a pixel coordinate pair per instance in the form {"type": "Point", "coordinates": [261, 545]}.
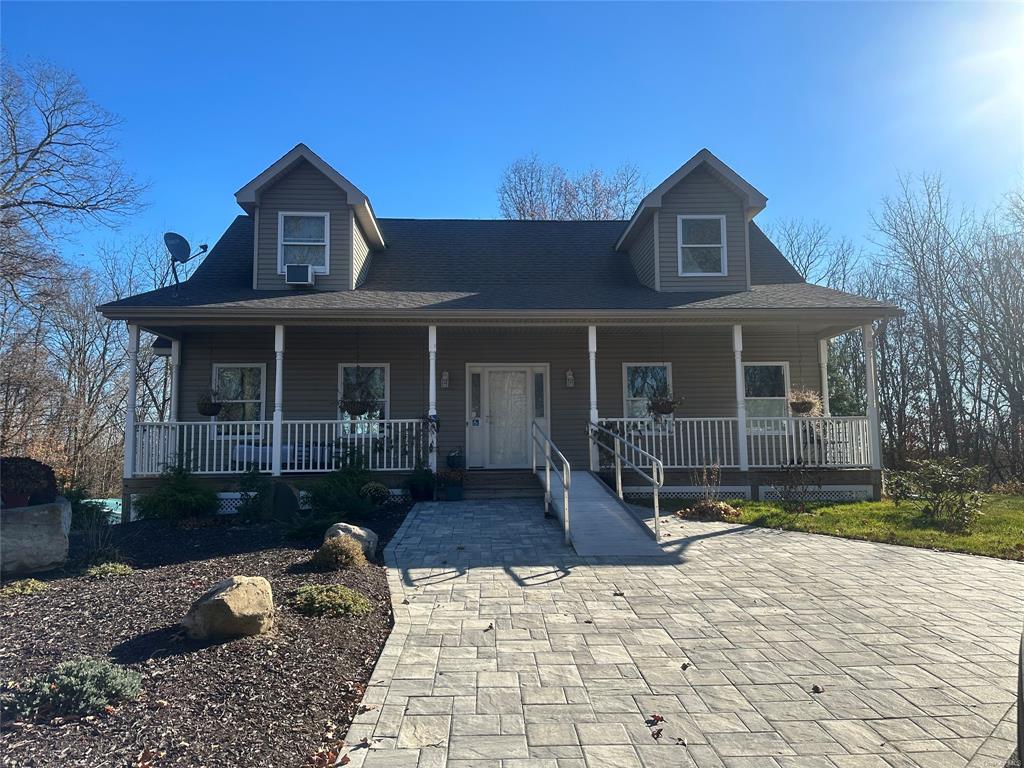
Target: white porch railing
{"type": "Point", "coordinates": [841, 442]}
{"type": "Point", "coordinates": [679, 443]}
{"type": "Point", "coordinates": [231, 447]}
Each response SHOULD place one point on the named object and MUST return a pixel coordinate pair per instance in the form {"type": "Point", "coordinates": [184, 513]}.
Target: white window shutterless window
{"type": "Point", "coordinates": [766, 391]}
{"type": "Point", "coordinates": [701, 243]}
{"type": "Point", "coordinates": [241, 390]}
{"type": "Point", "coordinates": [304, 238]}
{"type": "Point", "coordinates": [641, 382]}
{"type": "Point", "coordinates": [365, 380]}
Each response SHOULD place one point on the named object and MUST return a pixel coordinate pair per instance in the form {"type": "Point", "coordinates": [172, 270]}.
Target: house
{"type": "Point", "coordinates": [316, 329]}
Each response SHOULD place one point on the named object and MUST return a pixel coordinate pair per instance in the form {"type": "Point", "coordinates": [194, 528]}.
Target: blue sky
{"type": "Point", "coordinates": [422, 105]}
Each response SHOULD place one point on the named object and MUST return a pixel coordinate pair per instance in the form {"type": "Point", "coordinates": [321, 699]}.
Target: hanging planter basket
{"type": "Point", "coordinates": [662, 406]}
{"type": "Point", "coordinates": [208, 405]}
{"type": "Point", "coordinates": [357, 407]}
{"type": "Point", "coordinates": [805, 402]}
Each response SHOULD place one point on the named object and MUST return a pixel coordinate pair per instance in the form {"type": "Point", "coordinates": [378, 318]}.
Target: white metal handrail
{"type": "Point", "coordinates": [622, 450]}
{"type": "Point", "coordinates": [541, 440]}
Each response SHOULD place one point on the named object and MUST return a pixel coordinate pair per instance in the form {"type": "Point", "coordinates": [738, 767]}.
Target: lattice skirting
{"type": "Point", "coordinates": [687, 491]}
{"type": "Point", "coordinates": [822, 493]}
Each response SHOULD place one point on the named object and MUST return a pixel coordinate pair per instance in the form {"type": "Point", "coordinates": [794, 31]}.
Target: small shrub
{"type": "Point", "coordinates": [26, 481]}
{"type": "Point", "coordinates": [421, 484]}
{"type": "Point", "coordinates": [330, 600]}
{"type": "Point", "coordinates": [80, 687]}
{"type": "Point", "coordinates": [24, 587]}
{"type": "Point", "coordinates": [177, 496]}
{"type": "Point", "coordinates": [375, 493]}
{"type": "Point", "coordinates": [257, 496]}
{"type": "Point", "coordinates": [949, 489]}
{"type": "Point", "coordinates": [91, 520]}
{"type": "Point", "coordinates": [109, 571]}
{"type": "Point", "coordinates": [710, 509]}
{"type": "Point", "coordinates": [899, 486]}
{"type": "Point", "coordinates": [309, 527]}
{"type": "Point", "coordinates": [338, 552]}
{"type": "Point", "coordinates": [336, 496]}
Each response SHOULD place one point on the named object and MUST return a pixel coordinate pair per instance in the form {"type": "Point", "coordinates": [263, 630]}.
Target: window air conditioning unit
{"type": "Point", "coordinates": [298, 274]}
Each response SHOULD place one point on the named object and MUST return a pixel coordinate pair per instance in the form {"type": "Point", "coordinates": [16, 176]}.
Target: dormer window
{"type": "Point", "coordinates": [302, 238]}
{"type": "Point", "coordinates": [701, 242]}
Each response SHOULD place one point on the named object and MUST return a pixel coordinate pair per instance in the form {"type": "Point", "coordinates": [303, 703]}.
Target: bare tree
{"type": "Point", "coordinates": [58, 166]}
{"type": "Point", "coordinates": [814, 252]}
{"type": "Point", "coordinates": [531, 189]}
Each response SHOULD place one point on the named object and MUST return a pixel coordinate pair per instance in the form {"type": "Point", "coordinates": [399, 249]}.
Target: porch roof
{"type": "Point", "coordinates": [436, 268]}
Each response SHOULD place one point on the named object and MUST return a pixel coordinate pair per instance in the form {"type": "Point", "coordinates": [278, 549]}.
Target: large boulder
{"type": "Point", "coordinates": [34, 539]}
{"type": "Point", "coordinates": [367, 539]}
{"type": "Point", "coordinates": [238, 606]}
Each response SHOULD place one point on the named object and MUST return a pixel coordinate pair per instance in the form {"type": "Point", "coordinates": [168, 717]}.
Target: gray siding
{"type": "Point", "coordinates": [360, 254]}
{"type": "Point", "coordinates": [642, 256]}
{"type": "Point", "coordinates": [702, 192]}
{"type": "Point", "coordinates": [701, 358]}
{"type": "Point", "coordinates": [304, 188]}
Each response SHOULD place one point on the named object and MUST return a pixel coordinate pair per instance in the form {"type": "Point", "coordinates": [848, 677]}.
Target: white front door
{"type": "Point", "coordinates": [502, 402]}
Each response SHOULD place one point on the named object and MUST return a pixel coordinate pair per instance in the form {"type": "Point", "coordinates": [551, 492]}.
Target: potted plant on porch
{"type": "Point", "coordinates": [452, 482]}
{"type": "Point", "coordinates": [663, 405]}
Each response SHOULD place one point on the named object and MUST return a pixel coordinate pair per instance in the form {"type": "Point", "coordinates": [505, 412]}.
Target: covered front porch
{"type": "Point", "coordinates": [281, 392]}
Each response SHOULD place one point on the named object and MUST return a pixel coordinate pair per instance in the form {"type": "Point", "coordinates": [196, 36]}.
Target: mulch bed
{"type": "Point", "coordinates": [271, 700]}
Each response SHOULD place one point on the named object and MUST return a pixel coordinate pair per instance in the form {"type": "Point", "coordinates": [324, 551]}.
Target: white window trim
{"type": "Point", "coordinates": [679, 246]}
{"type": "Point", "coordinates": [263, 395]}
{"type": "Point", "coordinates": [625, 381]}
{"type": "Point", "coordinates": [786, 391]}
{"type": "Point", "coordinates": [326, 216]}
{"type": "Point", "coordinates": [387, 384]}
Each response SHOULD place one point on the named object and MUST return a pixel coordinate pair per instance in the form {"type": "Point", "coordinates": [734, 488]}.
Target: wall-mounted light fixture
{"type": "Point", "coordinates": [444, 379]}
{"type": "Point", "coordinates": [570, 379]}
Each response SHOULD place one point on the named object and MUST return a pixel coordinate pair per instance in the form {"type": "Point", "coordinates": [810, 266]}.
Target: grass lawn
{"type": "Point", "coordinates": [998, 532]}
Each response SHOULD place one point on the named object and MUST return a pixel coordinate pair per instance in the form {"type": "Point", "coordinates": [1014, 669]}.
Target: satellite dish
{"type": "Point", "coordinates": [178, 247]}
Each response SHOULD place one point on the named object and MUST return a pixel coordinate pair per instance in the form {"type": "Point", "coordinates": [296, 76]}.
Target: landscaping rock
{"type": "Point", "coordinates": [35, 538]}
{"type": "Point", "coordinates": [239, 606]}
{"type": "Point", "coordinates": [367, 539]}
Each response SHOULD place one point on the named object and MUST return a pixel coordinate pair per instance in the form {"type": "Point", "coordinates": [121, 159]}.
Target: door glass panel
{"type": "Point", "coordinates": [508, 401]}
{"type": "Point", "coordinates": [474, 396]}
{"type": "Point", "coordinates": [539, 406]}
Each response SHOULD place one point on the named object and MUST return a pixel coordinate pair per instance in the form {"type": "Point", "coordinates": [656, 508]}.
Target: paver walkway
{"type": "Point", "coordinates": [511, 651]}
{"type": "Point", "coordinates": [601, 525]}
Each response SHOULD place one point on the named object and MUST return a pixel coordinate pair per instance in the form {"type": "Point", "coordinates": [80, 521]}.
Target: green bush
{"type": "Point", "coordinates": [900, 486]}
{"type": "Point", "coordinates": [329, 600]}
{"type": "Point", "coordinates": [257, 496]}
{"type": "Point", "coordinates": [109, 571]}
{"type": "Point", "coordinates": [338, 552]}
{"type": "Point", "coordinates": [421, 484]}
{"type": "Point", "coordinates": [24, 587]}
{"type": "Point", "coordinates": [336, 496]}
{"type": "Point", "coordinates": [949, 489]}
{"type": "Point", "coordinates": [177, 496]}
{"type": "Point", "coordinates": [375, 493]}
{"type": "Point", "coordinates": [80, 687]}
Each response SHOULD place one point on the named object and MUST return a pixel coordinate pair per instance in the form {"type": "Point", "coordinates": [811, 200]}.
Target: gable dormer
{"type": "Point", "coordinates": [691, 232]}
{"type": "Point", "coordinates": [305, 212]}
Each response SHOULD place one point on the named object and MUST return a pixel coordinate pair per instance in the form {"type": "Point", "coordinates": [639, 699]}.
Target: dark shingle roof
{"type": "Point", "coordinates": [490, 265]}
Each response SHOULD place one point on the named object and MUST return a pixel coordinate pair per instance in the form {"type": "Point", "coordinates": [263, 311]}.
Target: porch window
{"type": "Point", "coordinates": [765, 388]}
{"type": "Point", "coordinates": [641, 382]}
{"type": "Point", "coordinates": [241, 390]}
{"type": "Point", "coordinates": [371, 382]}
{"type": "Point", "coordinates": [701, 242]}
{"type": "Point", "coordinates": [302, 239]}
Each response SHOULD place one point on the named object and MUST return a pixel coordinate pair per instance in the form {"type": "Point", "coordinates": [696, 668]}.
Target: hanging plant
{"type": "Point", "coordinates": [663, 405]}
{"type": "Point", "coordinates": [805, 402]}
{"type": "Point", "coordinates": [208, 403]}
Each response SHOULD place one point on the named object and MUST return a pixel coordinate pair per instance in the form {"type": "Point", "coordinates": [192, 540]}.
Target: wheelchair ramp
{"type": "Point", "coordinates": [600, 524]}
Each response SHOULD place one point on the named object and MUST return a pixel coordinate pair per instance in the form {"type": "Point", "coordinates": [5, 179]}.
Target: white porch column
{"type": "Point", "coordinates": [175, 378]}
{"type": "Point", "coordinates": [871, 386]}
{"type": "Point", "coordinates": [278, 440]}
{"type": "Point", "coordinates": [432, 394]}
{"type": "Point", "coordinates": [592, 378]}
{"type": "Point", "coordinates": [741, 396]}
{"type": "Point", "coordinates": [826, 408]}
{"type": "Point", "coordinates": [129, 417]}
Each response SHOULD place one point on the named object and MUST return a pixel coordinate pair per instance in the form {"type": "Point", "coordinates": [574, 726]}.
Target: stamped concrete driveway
{"type": "Point", "coordinates": [509, 651]}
